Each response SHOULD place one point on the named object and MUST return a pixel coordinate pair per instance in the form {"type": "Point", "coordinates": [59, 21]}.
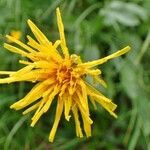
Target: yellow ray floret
{"type": "Point", "coordinates": [105, 59]}
{"type": "Point", "coordinates": [59, 77]}
{"type": "Point", "coordinates": [62, 35]}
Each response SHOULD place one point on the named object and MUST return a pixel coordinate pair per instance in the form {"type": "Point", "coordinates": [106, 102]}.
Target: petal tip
{"type": "Point", "coordinates": [29, 21]}
{"type": "Point", "coordinates": [68, 118]}
{"type": "Point", "coordinates": [128, 47]}
{"type": "Point", "coordinates": [57, 9]}
{"type": "Point", "coordinates": [32, 124]}
{"type": "Point", "coordinates": [51, 140]}
{"type": "Point", "coordinates": [11, 107]}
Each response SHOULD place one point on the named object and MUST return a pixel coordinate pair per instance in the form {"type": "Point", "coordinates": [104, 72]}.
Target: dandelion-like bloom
{"type": "Point", "coordinates": [59, 75]}
{"type": "Point", "coordinates": [16, 34]}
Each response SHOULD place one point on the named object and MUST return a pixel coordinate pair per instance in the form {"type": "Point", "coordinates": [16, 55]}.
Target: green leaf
{"type": "Point", "coordinates": [127, 14]}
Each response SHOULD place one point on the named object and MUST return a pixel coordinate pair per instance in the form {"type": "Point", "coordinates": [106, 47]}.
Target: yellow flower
{"type": "Point", "coordinates": [59, 75]}
{"type": "Point", "coordinates": [16, 34]}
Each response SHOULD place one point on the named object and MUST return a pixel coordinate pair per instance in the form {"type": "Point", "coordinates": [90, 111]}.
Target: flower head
{"type": "Point", "coordinates": [58, 75]}
{"type": "Point", "coordinates": [16, 34]}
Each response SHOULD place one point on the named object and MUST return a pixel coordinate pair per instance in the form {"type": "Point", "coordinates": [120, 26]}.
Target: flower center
{"type": "Point", "coordinates": [68, 71]}
{"type": "Point", "coordinates": [63, 74]}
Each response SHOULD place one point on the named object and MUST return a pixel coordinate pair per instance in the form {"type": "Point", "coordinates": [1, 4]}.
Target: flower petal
{"type": "Point", "coordinates": [38, 34]}
{"type": "Point", "coordinates": [68, 103]}
{"type": "Point", "coordinates": [59, 111]}
{"type": "Point", "coordinates": [105, 59]}
{"type": "Point", "coordinates": [77, 122]}
{"type": "Point", "coordinates": [62, 35]}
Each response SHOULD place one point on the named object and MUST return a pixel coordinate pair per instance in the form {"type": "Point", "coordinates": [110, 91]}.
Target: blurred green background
{"type": "Point", "coordinates": [94, 29]}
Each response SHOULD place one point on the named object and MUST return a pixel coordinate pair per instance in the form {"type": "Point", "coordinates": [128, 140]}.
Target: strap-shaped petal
{"type": "Point", "coordinates": [27, 48]}
{"type": "Point", "coordinates": [62, 35]}
{"type": "Point", "coordinates": [38, 34]}
{"type": "Point", "coordinates": [105, 59]}
{"type": "Point", "coordinates": [59, 111]}
{"type": "Point", "coordinates": [77, 122]}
